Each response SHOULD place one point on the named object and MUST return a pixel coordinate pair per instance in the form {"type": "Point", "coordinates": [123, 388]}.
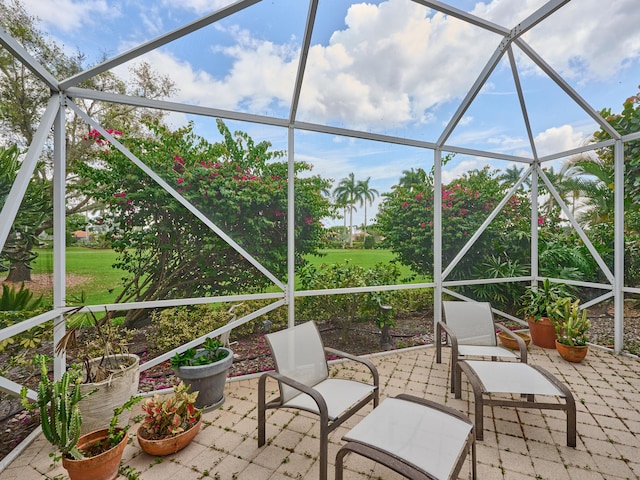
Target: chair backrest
{"type": "Point", "coordinates": [298, 353]}
{"type": "Point", "coordinates": [472, 322]}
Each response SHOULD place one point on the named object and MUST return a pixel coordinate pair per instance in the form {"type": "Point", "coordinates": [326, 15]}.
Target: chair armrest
{"type": "Point", "coordinates": [521, 345]}
{"type": "Point", "coordinates": [452, 337]}
{"type": "Point", "coordinates": [367, 363]}
{"type": "Point", "coordinates": [290, 382]}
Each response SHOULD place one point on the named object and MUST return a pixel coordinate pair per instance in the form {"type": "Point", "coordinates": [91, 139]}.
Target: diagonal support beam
{"type": "Point", "coordinates": [561, 82]}
{"type": "Point", "coordinates": [21, 183]}
{"type": "Point", "coordinates": [486, 223]}
{"type": "Point", "coordinates": [304, 53]}
{"type": "Point", "coordinates": [156, 43]}
{"type": "Point", "coordinates": [198, 214]}
{"type": "Point", "coordinates": [523, 105]}
{"type": "Point", "coordinates": [509, 36]}
{"type": "Point", "coordinates": [20, 53]}
{"type": "Point", "coordinates": [583, 236]}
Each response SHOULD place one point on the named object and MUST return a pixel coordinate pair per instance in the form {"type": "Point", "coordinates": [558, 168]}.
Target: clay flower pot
{"type": "Point", "coordinates": [511, 343]}
{"type": "Point", "coordinates": [543, 333]}
{"type": "Point", "coordinates": [99, 467]}
{"type": "Point", "coordinates": [574, 354]}
{"type": "Point", "coordinates": [169, 445]}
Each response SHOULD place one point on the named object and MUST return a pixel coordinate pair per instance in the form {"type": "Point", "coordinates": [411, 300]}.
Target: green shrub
{"type": "Point", "coordinates": [413, 300]}
{"type": "Point", "coordinates": [28, 339]}
{"type": "Point", "coordinates": [369, 242]}
{"type": "Point", "coordinates": [344, 309]}
{"type": "Point", "coordinates": [176, 326]}
{"type": "Point", "coordinates": [22, 299]}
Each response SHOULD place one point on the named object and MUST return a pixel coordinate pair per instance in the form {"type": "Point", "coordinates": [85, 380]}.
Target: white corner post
{"type": "Point", "coordinates": [437, 237]}
{"type": "Point", "coordinates": [291, 230]}
{"type": "Point", "coordinates": [59, 234]}
{"type": "Point", "coordinates": [534, 225]}
{"type": "Point", "coordinates": [618, 240]}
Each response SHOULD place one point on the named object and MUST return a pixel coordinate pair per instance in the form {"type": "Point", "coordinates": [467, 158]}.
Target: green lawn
{"type": "Point", "coordinates": [100, 282]}
{"type": "Point", "coordinates": [365, 258]}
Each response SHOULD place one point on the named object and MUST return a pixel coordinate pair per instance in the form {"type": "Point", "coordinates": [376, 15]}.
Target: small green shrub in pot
{"type": "Point", "coordinates": [212, 351]}
{"type": "Point", "coordinates": [537, 301]}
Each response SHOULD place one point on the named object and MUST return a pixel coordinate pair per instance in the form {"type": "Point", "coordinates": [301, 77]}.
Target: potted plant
{"type": "Point", "coordinates": [95, 455]}
{"type": "Point", "coordinates": [535, 307]}
{"type": "Point", "coordinates": [205, 371]}
{"type": "Point", "coordinates": [571, 326]}
{"type": "Point", "coordinates": [108, 369]}
{"type": "Point", "coordinates": [170, 423]}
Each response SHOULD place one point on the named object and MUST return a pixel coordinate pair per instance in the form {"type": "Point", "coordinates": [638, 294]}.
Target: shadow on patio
{"type": "Point", "coordinates": [518, 444]}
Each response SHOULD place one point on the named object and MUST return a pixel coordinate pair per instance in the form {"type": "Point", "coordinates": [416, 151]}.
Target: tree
{"type": "Point", "coordinates": [24, 98]}
{"type": "Point", "coordinates": [405, 219]}
{"type": "Point", "coordinates": [240, 185]}
{"type": "Point", "coordinates": [346, 193]}
{"type": "Point", "coordinates": [365, 194]}
{"type": "Point", "coordinates": [511, 175]}
{"type": "Point", "coordinates": [413, 179]}
{"type": "Point", "coordinates": [18, 249]}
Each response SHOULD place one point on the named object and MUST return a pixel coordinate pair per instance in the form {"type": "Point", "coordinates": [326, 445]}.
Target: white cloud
{"type": "Point", "coordinates": [386, 66]}
{"type": "Point", "coordinates": [68, 15]}
{"type": "Point", "coordinates": [201, 7]}
{"type": "Point", "coordinates": [583, 40]}
{"type": "Point", "coordinates": [558, 139]}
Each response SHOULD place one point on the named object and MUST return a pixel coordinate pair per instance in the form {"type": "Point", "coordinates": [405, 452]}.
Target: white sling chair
{"type": "Point", "coordinates": [471, 330]}
{"type": "Point", "coordinates": [303, 377]}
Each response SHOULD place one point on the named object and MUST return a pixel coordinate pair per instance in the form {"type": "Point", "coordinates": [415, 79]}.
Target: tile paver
{"type": "Point", "coordinates": [518, 444]}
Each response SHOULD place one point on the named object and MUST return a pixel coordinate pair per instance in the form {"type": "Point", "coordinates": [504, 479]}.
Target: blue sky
{"type": "Point", "coordinates": [392, 67]}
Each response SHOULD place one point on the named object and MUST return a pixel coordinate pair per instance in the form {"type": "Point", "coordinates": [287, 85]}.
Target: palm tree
{"type": "Point", "coordinates": [411, 179]}
{"type": "Point", "coordinates": [364, 195]}
{"type": "Point", "coordinates": [511, 176]}
{"type": "Point", "coordinates": [596, 185]}
{"type": "Point", "coordinates": [346, 194]}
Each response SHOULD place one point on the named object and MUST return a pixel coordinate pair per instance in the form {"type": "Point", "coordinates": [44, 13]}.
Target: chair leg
{"type": "Point", "coordinates": [453, 374]}
{"type": "Point", "coordinates": [324, 450]}
{"type": "Point", "coordinates": [473, 460]}
{"type": "Point", "coordinates": [340, 462]}
{"type": "Point", "coordinates": [262, 411]}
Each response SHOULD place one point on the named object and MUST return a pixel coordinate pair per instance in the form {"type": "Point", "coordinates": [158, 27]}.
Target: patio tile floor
{"type": "Point", "coordinates": [518, 444]}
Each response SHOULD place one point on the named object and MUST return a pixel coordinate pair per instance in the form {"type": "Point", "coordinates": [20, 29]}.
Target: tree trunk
{"type": "Point", "coordinates": [351, 226]}
{"type": "Point", "coordinates": [19, 272]}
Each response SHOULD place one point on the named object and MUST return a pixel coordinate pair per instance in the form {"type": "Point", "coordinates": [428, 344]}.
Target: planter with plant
{"type": "Point", "coordinates": [170, 422]}
{"type": "Point", "coordinates": [95, 455]}
{"type": "Point", "coordinates": [571, 326]}
{"type": "Point", "coordinates": [107, 367]}
{"type": "Point", "coordinates": [205, 371]}
{"type": "Point", "coordinates": [536, 302]}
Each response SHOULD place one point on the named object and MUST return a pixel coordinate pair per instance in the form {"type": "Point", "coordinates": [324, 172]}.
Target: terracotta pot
{"type": "Point", "coordinates": [573, 354]}
{"type": "Point", "coordinates": [511, 343]}
{"type": "Point", "coordinates": [101, 467]}
{"type": "Point", "coordinates": [543, 333]}
{"type": "Point", "coordinates": [167, 446]}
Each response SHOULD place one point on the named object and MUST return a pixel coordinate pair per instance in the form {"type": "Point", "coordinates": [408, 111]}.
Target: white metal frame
{"type": "Point", "coordinates": [65, 90]}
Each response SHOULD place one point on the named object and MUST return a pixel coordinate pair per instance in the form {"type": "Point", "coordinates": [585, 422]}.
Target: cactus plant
{"type": "Point", "coordinates": [58, 404]}
{"type": "Point", "coordinates": [570, 323]}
